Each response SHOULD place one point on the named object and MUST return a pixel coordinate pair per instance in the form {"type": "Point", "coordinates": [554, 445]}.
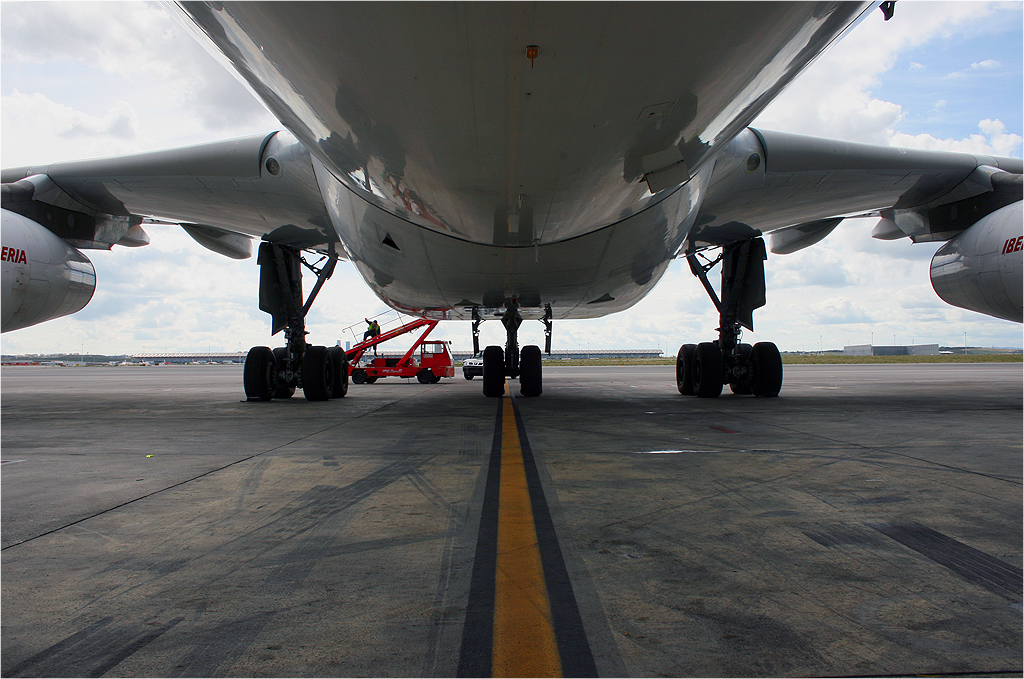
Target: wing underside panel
{"type": "Point", "coordinates": [767, 181]}
{"type": "Point", "coordinates": [261, 186]}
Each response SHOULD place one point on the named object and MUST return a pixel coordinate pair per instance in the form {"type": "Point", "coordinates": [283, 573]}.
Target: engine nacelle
{"type": "Point", "coordinates": [43, 277]}
{"type": "Point", "coordinates": [981, 269]}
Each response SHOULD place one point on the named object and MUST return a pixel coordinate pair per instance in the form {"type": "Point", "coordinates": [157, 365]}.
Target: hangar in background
{"type": "Point", "coordinates": [871, 350]}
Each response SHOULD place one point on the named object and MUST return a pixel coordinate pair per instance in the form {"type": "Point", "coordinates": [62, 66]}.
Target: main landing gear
{"type": "Point", "coordinates": [511, 361]}
{"type": "Point", "coordinates": [321, 372]}
{"type": "Point", "coordinates": [703, 369]}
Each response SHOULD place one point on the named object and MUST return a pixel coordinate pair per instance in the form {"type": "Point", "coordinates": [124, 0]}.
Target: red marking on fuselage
{"type": "Point", "coordinates": [1013, 245]}
{"type": "Point", "coordinates": [16, 255]}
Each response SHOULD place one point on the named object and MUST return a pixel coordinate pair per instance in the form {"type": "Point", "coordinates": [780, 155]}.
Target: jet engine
{"type": "Point", "coordinates": [981, 269]}
{"type": "Point", "coordinates": [43, 277]}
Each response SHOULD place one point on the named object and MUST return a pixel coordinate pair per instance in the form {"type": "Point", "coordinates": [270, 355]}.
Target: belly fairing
{"type": "Point", "coordinates": [426, 273]}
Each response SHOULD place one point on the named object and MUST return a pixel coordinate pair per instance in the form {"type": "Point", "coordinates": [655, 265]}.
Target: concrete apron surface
{"type": "Point", "coordinates": [866, 522]}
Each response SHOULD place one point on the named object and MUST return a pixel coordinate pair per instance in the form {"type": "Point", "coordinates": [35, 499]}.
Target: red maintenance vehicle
{"type": "Point", "coordinates": [432, 362]}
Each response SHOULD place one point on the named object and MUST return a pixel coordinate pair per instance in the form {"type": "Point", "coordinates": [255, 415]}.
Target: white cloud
{"type": "Point", "coordinates": [838, 311]}
{"type": "Point", "coordinates": [993, 140]}
{"type": "Point", "coordinates": [852, 240]}
{"type": "Point", "coordinates": [53, 131]}
{"type": "Point", "coordinates": [120, 121]}
{"type": "Point", "coordinates": [986, 65]}
{"type": "Point", "coordinates": [120, 37]}
{"type": "Point", "coordinates": [810, 267]}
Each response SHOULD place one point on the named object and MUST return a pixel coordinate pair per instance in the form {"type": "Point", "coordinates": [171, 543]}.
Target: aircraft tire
{"type": "Point", "coordinates": [530, 371]}
{"type": "Point", "coordinates": [684, 367]}
{"type": "Point", "coordinates": [425, 376]}
{"type": "Point", "coordinates": [708, 370]}
{"type": "Point", "coordinates": [317, 374]}
{"type": "Point", "coordinates": [340, 360]}
{"type": "Point", "coordinates": [358, 376]}
{"type": "Point", "coordinates": [743, 386]}
{"type": "Point", "coordinates": [765, 370]}
{"type": "Point", "coordinates": [494, 372]}
{"type": "Point", "coordinates": [258, 374]}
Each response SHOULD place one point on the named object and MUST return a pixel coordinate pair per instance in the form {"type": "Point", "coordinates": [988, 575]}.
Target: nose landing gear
{"type": "Point", "coordinates": [525, 364]}
{"type": "Point", "coordinates": [703, 369]}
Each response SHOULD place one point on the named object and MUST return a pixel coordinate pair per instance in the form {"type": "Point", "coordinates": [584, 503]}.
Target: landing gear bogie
{"type": "Point", "coordinates": [320, 372]}
{"type": "Point", "coordinates": [757, 369]}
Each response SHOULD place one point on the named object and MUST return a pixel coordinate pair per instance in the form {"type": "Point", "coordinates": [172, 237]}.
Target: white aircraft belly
{"type": "Point", "coordinates": [433, 112]}
{"type": "Point", "coordinates": [439, 276]}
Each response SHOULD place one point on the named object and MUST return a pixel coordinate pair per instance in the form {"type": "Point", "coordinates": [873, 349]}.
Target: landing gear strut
{"type": "Point", "coordinates": [512, 362]}
{"type": "Point", "coordinates": [321, 372]}
{"type": "Point", "coordinates": [702, 369]}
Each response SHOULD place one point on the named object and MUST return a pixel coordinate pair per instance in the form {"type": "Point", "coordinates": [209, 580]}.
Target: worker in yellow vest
{"type": "Point", "coordinates": [372, 330]}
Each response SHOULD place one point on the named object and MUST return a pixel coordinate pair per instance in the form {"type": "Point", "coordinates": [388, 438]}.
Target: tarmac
{"type": "Point", "coordinates": [867, 522]}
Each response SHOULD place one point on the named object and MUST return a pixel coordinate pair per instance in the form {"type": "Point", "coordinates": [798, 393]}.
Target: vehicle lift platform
{"type": "Point", "coordinates": [433, 362]}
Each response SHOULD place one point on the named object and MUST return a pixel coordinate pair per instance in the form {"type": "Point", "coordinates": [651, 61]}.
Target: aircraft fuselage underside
{"type": "Point", "coordinates": [423, 272]}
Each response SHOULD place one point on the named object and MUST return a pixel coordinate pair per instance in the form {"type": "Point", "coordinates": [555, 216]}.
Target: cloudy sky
{"type": "Point", "coordinates": [81, 80]}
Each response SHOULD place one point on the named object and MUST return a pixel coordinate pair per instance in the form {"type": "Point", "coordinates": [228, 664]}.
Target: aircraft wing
{"type": "Point", "coordinates": [223, 194]}
{"type": "Point", "coordinates": [800, 188]}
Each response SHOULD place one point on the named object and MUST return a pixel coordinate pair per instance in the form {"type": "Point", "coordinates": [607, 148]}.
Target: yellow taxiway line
{"type": "Point", "coordinates": [524, 635]}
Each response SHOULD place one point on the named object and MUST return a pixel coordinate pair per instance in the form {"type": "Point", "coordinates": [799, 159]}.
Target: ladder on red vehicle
{"type": "Point", "coordinates": [356, 352]}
